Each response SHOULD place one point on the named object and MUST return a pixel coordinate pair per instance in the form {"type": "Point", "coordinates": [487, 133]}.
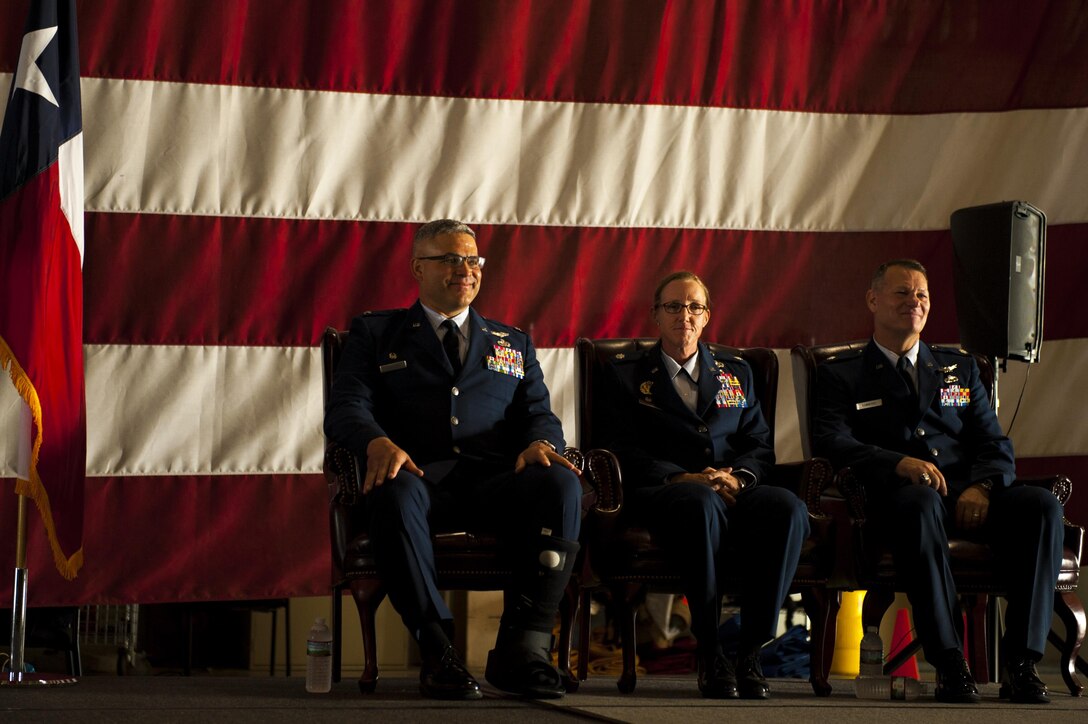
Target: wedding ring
{"type": "Point", "coordinates": [924, 477]}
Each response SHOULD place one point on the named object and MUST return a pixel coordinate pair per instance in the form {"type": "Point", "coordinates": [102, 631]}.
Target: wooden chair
{"type": "Point", "coordinates": [978, 580]}
{"type": "Point", "coordinates": [628, 562]}
{"type": "Point", "coordinates": [465, 560]}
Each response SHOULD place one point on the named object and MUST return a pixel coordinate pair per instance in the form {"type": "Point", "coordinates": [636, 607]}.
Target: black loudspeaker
{"type": "Point", "coordinates": [998, 268]}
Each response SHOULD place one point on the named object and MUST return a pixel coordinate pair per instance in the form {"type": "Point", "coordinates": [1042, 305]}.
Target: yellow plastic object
{"type": "Point", "coordinates": [848, 633]}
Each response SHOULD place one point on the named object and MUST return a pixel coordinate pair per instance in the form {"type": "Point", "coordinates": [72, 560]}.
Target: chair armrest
{"type": "Point", "coordinates": [1061, 486]}
{"type": "Point", "coordinates": [342, 475]}
{"type": "Point", "coordinates": [603, 472]}
{"type": "Point", "coordinates": [589, 493]}
{"type": "Point", "coordinates": [808, 479]}
{"type": "Point", "coordinates": [854, 493]}
{"type": "Point", "coordinates": [831, 532]}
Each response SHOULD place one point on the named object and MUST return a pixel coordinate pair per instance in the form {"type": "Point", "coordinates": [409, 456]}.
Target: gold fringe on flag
{"type": "Point", "coordinates": [33, 488]}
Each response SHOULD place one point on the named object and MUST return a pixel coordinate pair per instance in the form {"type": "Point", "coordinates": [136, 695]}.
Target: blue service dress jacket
{"type": "Point", "coordinates": [867, 419]}
{"type": "Point", "coordinates": [658, 436]}
{"type": "Point", "coordinates": [394, 380]}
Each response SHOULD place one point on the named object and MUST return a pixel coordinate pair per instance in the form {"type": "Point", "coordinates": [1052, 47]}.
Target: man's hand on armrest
{"type": "Point", "coordinates": [543, 453]}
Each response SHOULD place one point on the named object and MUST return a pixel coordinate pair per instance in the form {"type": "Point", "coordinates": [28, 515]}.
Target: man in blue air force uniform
{"type": "Point", "coordinates": [451, 414]}
{"type": "Point", "coordinates": [695, 452]}
{"type": "Point", "coordinates": [915, 424]}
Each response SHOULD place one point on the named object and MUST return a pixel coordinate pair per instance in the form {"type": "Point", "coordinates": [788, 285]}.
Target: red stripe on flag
{"type": "Point", "coordinates": [252, 281]}
{"type": "Point", "coordinates": [924, 56]}
{"type": "Point", "coordinates": [190, 538]}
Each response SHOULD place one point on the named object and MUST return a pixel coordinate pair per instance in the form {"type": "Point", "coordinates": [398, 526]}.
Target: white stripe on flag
{"type": "Point", "coordinates": [242, 151]}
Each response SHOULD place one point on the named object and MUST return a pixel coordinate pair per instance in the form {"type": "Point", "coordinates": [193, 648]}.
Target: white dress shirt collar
{"type": "Point", "coordinates": [691, 364]}
{"type": "Point", "coordinates": [911, 354]}
{"type": "Point", "coordinates": [437, 318]}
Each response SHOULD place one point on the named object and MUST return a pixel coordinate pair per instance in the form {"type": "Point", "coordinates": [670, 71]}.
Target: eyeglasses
{"type": "Point", "coordinates": [694, 308]}
{"type": "Point", "coordinates": [455, 260]}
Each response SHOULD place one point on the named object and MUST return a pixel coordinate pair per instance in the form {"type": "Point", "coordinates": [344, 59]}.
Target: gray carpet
{"type": "Point", "coordinates": [667, 699]}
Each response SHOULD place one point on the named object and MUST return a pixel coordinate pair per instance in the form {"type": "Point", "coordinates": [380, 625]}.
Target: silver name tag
{"type": "Point", "coordinates": [869, 404]}
{"type": "Point", "coordinates": [393, 366]}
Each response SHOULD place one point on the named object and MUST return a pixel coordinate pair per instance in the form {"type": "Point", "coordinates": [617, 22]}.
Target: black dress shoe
{"type": "Point", "coordinates": [751, 684]}
{"type": "Point", "coordinates": [955, 684]}
{"type": "Point", "coordinates": [1023, 685]}
{"type": "Point", "coordinates": [716, 677]}
{"type": "Point", "coordinates": [445, 677]}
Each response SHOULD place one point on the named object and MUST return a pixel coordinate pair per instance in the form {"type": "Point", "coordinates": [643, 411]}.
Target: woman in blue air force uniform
{"type": "Point", "coordinates": [695, 453]}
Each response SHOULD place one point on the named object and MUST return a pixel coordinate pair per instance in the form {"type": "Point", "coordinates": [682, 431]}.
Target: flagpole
{"type": "Point", "coordinates": [17, 675]}
{"type": "Point", "coordinates": [18, 605]}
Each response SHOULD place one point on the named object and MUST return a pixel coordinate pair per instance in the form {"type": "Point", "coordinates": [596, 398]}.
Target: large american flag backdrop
{"type": "Point", "coordinates": [255, 171]}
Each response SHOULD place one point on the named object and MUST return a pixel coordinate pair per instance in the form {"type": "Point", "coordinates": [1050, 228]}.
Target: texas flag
{"type": "Point", "coordinates": [41, 282]}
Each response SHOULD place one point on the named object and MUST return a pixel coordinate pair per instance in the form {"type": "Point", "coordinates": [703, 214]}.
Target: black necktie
{"type": "Point", "coordinates": [451, 345]}
{"type": "Point", "coordinates": [904, 367]}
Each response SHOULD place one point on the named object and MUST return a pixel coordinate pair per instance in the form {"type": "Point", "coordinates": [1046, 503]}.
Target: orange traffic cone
{"type": "Point", "coordinates": [902, 638]}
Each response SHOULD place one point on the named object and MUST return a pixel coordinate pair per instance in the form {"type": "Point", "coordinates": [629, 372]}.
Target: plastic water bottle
{"type": "Point", "coordinates": [319, 658]}
{"type": "Point", "coordinates": [871, 682]}
{"type": "Point", "coordinates": [899, 688]}
{"type": "Point", "coordinates": [871, 661]}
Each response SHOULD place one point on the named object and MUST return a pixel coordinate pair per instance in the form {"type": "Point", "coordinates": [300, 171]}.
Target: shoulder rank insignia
{"type": "Point", "coordinates": [645, 387]}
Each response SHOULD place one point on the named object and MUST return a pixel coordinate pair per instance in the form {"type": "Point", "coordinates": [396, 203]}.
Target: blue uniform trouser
{"type": "Point", "coordinates": [1024, 529]}
{"type": "Point", "coordinates": [403, 513]}
{"type": "Point", "coordinates": [758, 540]}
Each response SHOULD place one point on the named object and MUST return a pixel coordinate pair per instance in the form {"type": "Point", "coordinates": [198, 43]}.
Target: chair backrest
{"type": "Point", "coordinates": [338, 461]}
{"type": "Point", "coordinates": [341, 468]}
{"type": "Point", "coordinates": [805, 362]}
{"type": "Point", "coordinates": [595, 354]}
{"type": "Point", "coordinates": [332, 345]}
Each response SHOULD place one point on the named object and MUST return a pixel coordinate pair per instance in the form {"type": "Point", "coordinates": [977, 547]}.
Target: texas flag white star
{"type": "Point", "coordinates": [28, 75]}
